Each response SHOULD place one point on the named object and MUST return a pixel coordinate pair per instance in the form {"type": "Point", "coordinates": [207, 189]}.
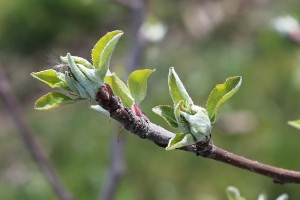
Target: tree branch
{"type": "Point", "coordinates": [147, 130]}
{"type": "Point", "coordinates": [116, 169]}
{"type": "Point", "coordinates": [26, 134]}
{"type": "Point", "coordinates": [278, 175]}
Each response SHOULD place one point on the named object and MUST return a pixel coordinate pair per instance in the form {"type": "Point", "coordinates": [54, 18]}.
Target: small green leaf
{"type": "Point", "coordinates": [52, 100]}
{"type": "Point", "coordinates": [90, 75]}
{"type": "Point", "coordinates": [199, 123]}
{"type": "Point", "coordinates": [103, 50]}
{"type": "Point", "coordinates": [137, 83]}
{"type": "Point", "coordinates": [220, 94]}
{"type": "Point", "coordinates": [295, 124]}
{"type": "Point", "coordinates": [233, 194]}
{"type": "Point", "coordinates": [167, 113]}
{"type": "Point", "coordinates": [283, 197]}
{"type": "Point", "coordinates": [262, 197]}
{"type": "Point", "coordinates": [62, 85]}
{"type": "Point", "coordinates": [78, 60]}
{"type": "Point", "coordinates": [180, 140]}
{"type": "Point", "coordinates": [177, 89]}
{"type": "Point", "coordinates": [120, 89]}
{"type": "Point", "coordinates": [83, 93]}
{"type": "Point", "coordinates": [71, 82]}
{"type": "Point", "coordinates": [83, 81]}
{"type": "Point", "coordinates": [48, 76]}
{"type": "Point", "coordinates": [182, 123]}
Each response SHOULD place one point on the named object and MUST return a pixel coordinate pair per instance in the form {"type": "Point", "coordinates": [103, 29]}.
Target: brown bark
{"type": "Point", "coordinates": [147, 130]}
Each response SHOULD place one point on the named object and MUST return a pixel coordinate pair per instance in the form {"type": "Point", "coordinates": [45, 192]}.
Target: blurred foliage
{"type": "Point", "coordinates": [29, 25]}
{"type": "Point", "coordinates": [78, 140]}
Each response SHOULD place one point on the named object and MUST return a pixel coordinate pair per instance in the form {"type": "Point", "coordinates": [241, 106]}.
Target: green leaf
{"type": "Point", "coordinates": [48, 76]}
{"type": "Point", "coordinates": [199, 123]}
{"type": "Point", "coordinates": [52, 78]}
{"type": "Point", "coordinates": [262, 197]}
{"type": "Point", "coordinates": [103, 50]}
{"type": "Point", "coordinates": [120, 89]}
{"type": "Point", "coordinates": [182, 123]}
{"type": "Point", "coordinates": [83, 93]}
{"type": "Point", "coordinates": [62, 85]}
{"type": "Point", "coordinates": [283, 197]}
{"type": "Point", "coordinates": [137, 83]}
{"type": "Point", "coordinates": [295, 124]}
{"type": "Point", "coordinates": [71, 82]}
{"type": "Point", "coordinates": [233, 194]}
{"type": "Point", "coordinates": [167, 113]}
{"type": "Point", "coordinates": [220, 94]}
{"type": "Point", "coordinates": [180, 140]}
{"type": "Point", "coordinates": [177, 89]}
{"type": "Point", "coordinates": [52, 100]}
{"type": "Point", "coordinates": [78, 60]}
{"type": "Point", "coordinates": [83, 81]}
{"type": "Point", "coordinates": [90, 74]}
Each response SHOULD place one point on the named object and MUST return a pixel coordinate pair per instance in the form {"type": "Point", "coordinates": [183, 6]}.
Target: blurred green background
{"type": "Point", "coordinates": [206, 41]}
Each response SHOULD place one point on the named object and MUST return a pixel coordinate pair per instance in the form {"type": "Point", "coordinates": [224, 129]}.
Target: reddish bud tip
{"type": "Point", "coordinates": [138, 112]}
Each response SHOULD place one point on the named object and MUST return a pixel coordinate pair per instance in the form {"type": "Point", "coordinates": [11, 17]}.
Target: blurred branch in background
{"type": "Point", "coordinates": [203, 18]}
{"type": "Point", "coordinates": [116, 168]}
{"type": "Point", "coordinates": [14, 108]}
{"type": "Point", "coordinates": [117, 163]}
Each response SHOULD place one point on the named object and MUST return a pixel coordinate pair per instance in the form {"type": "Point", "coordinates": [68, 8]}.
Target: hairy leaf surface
{"type": "Point", "coordinates": [177, 89]}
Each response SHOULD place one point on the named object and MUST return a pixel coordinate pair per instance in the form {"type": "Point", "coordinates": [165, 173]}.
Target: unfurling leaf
{"type": "Point", "coordinates": [137, 83]}
{"type": "Point", "coordinates": [90, 75]}
{"type": "Point", "coordinates": [177, 89]}
{"type": "Point", "coordinates": [71, 82]}
{"type": "Point", "coordinates": [233, 194]}
{"type": "Point", "coordinates": [52, 100]}
{"type": "Point", "coordinates": [182, 123]}
{"type": "Point", "coordinates": [283, 197]}
{"type": "Point", "coordinates": [103, 50]}
{"type": "Point", "coordinates": [167, 113]}
{"type": "Point", "coordinates": [220, 94]}
{"type": "Point", "coordinates": [77, 60]}
{"type": "Point", "coordinates": [48, 76]}
{"type": "Point", "coordinates": [199, 123]}
{"type": "Point", "coordinates": [62, 85]}
{"type": "Point", "coordinates": [262, 197]}
{"type": "Point", "coordinates": [295, 124]}
{"type": "Point", "coordinates": [180, 140]}
{"type": "Point", "coordinates": [120, 89]}
{"type": "Point", "coordinates": [83, 81]}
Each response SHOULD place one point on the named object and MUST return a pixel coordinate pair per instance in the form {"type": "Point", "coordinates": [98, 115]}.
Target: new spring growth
{"type": "Point", "coordinates": [82, 80]}
{"type": "Point", "coordinates": [234, 194]}
{"type": "Point", "coordinates": [194, 122]}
